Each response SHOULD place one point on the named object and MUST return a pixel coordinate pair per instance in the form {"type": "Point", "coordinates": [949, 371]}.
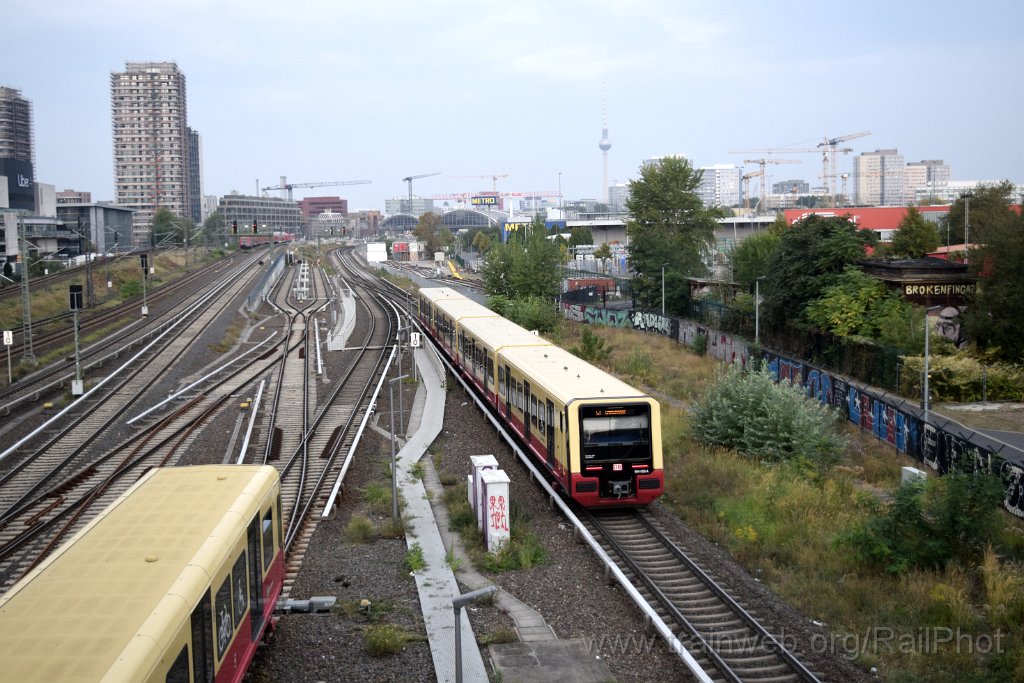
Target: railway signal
{"type": "Point", "coordinates": [75, 302]}
{"type": "Point", "coordinates": [144, 262]}
{"type": "Point", "coordinates": [255, 227]}
{"type": "Point", "coordinates": [234, 227]}
{"type": "Point", "coordinates": [9, 342]}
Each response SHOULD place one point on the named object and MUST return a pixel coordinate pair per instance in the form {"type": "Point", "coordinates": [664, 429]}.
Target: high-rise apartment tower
{"type": "Point", "coordinates": [17, 152]}
{"type": "Point", "coordinates": [151, 142]}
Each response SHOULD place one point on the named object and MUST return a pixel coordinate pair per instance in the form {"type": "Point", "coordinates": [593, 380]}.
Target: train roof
{"type": "Point", "coordinates": [566, 377]}
{"type": "Point", "coordinates": [116, 588]}
{"type": "Point", "coordinates": [457, 309]}
{"type": "Point", "coordinates": [498, 333]}
{"type": "Point", "coordinates": [439, 293]}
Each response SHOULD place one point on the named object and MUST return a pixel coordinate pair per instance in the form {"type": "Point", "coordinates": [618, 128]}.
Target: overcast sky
{"type": "Point", "coordinates": [378, 89]}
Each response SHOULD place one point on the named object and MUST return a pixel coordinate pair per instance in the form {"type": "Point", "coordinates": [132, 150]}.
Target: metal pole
{"type": "Point", "coordinates": [394, 470]}
{"type": "Point", "coordinates": [757, 311]}
{"type": "Point", "coordinates": [401, 405]}
{"type": "Point", "coordinates": [394, 465]}
{"type": "Point", "coordinates": [967, 228]}
{"type": "Point", "coordinates": [926, 335]}
{"type": "Point", "coordinates": [457, 603]}
{"type": "Point", "coordinates": [26, 298]}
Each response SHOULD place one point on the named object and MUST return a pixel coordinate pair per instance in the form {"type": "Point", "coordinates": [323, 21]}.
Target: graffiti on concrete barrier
{"type": "Point", "coordinates": [651, 322]}
{"type": "Point", "coordinates": [607, 316]}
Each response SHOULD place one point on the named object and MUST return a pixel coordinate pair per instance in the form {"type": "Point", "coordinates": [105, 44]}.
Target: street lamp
{"type": "Point", "coordinates": [757, 310]}
{"type": "Point", "coordinates": [926, 400]}
{"type": "Point", "coordinates": [394, 469]}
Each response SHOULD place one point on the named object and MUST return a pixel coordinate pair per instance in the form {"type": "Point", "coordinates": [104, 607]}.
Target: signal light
{"type": "Point", "coordinates": [254, 228]}
{"type": "Point", "coordinates": [234, 227]}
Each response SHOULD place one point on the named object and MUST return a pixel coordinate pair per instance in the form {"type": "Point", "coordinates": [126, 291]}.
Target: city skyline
{"type": "Point", "coordinates": [325, 93]}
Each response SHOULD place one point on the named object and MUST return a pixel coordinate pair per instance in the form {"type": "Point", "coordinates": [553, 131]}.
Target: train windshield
{"type": "Point", "coordinates": [616, 432]}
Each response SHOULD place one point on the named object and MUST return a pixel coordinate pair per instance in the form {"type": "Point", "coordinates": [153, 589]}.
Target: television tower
{"type": "Point", "coordinates": [605, 145]}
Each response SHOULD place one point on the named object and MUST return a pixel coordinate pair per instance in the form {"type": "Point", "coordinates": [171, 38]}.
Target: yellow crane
{"type": "Point", "coordinates": [494, 178]}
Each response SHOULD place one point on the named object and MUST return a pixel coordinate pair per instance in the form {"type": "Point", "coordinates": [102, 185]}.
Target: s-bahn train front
{"type": "Point", "coordinates": [615, 447]}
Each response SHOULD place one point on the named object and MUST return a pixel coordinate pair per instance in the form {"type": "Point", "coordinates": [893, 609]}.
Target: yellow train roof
{"type": "Point", "coordinates": [439, 293]}
{"type": "Point", "coordinates": [566, 377]}
{"type": "Point", "coordinates": [134, 572]}
{"type": "Point", "coordinates": [498, 332]}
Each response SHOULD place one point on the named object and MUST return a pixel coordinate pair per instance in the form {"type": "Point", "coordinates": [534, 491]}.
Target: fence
{"type": "Point", "coordinates": [262, 289]}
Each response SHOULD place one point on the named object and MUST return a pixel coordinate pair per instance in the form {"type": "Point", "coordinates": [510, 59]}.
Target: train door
{"type": "Point", "coordinates": [508, 391]}
{"type": "Point", "coordinates": [255, 578]}
{"type": "Point", "coordinates": [551, 434]}
{"type": "Point", "coordinates": [202, 641]}
{"type": "Point", "coordinates": [526, 410]}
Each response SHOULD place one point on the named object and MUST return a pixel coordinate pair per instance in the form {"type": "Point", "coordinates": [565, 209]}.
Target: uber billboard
{"type": "Point", "coordinates": [20, 188]}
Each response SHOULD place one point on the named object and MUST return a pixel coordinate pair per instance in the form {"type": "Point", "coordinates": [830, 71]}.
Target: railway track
{"type": "Point", "coordinates": [88, 446]}
{"type": "Point", "coordinates": [307, 427]}
{"type": "Point", "coordinates": [728, 642]}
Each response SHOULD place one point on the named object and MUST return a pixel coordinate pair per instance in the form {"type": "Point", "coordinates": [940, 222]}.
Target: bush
{"type": "Point", "coordinates": [749, 411]}
{"type": "Point", "coordinates": [383, 639]}
{"type": "Point", "coordinates": [928, 525]}
{"type": "Point", "coordinates": [592, 348]}
{"type": "Point", "coordinates": [131, 288]}
{"type": "Point", "coordinates": [533, 313]}
{"type": "Point", "coordinates": [358, 530]}
{"type": "Point", "coordinates": [962, 379]}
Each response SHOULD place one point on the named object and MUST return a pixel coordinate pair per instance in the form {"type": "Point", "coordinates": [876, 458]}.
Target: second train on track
{"type": "Point", "coordinates": [598, 437]}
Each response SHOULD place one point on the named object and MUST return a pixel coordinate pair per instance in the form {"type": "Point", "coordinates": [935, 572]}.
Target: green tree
{"type": "Point", "coordinates": [995, 315]}
{"type": "Point", "coordinates": [750, 258]}
{"type": "Point", "coordinates": [167, 227]}
{"type": "Point", "coordinates": [986, 207]}
{"type": "Point", "coordinates": [915, 237]}
{"type": "Point", "coordinates": [431, 231]}
{"type": "Point", "coordinates": [481, 242]}
{"type": "Point", "coordinates": [213, 227]}
{"type": "Point", "coordinates": [527, 265]}
{"type": "Point", "coordinates": [580, 235]}
{"type": "Point", "coordinates": [603, 252]}
{"type": "Point", "coordinates": [860, 305]}
{"type": "Point", "coordinates": [670, 228]}
{"type": "Point", "coordinates": [811, 256]}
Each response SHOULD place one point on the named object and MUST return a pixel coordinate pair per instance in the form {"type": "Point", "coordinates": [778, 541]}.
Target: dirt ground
{"type": "Point", "coordinates": [1002, 416]}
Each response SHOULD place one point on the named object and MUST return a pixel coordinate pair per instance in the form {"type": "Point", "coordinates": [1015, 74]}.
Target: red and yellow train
{"type": "Point", "coordinates": [598, 437]}
{"type": "Point", "coordinates": [175, 582]}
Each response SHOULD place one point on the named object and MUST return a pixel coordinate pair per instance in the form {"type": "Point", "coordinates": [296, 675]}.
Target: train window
{"type": "Point", "coordinates": [533, 410]}
{"type": "Point", "coordinates": [223, 625]}
{"type": "Point", "coordinates": [178, 673]}
{"type": "Point", "coordinates": [241, 593]}
{"type": "Point", "coordinates": [501, 378]}
{"type": "Point", "coordinates": [268, 538]}
{"type": "Point", "coordinates": [202, 636]}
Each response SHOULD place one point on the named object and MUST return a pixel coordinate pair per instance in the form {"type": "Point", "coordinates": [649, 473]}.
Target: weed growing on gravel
{"type": "Point", "coordinates": [358, 530]}
{"type": "Point", "coordinates": [392, 529]}
{"type": "Point", "coordinates": [383, 639]}
{"type": "Point", "coordinates": [414, 558]}
{"type": "Point", "coordinates": [378, 496]}
{"type": "Point", "coordinates": [447, 479]}
{"type": "Point", "coordinates": [498, 636]}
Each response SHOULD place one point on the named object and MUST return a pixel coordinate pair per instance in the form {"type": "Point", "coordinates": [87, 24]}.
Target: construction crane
{"type": "Point", "coordinates": [827, 149]}
{"type": "Point", "coordinates": [494, 178]}
{"type": "Point", "coordinates": [286, 186]}
{"type": "Point", "coordinates": [762, 162]}
{"type": "Point", "coordinates": [746, 188]}
{"type": "Point", "coordinates": [409, 178]}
